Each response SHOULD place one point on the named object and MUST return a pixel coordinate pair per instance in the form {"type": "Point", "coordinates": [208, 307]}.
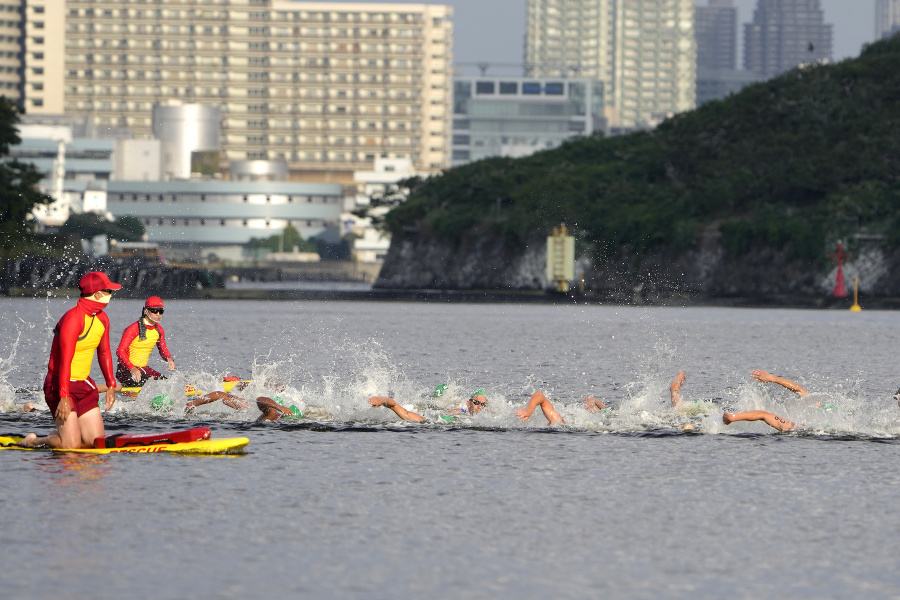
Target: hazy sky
{"type": "Point", "coordinates": [494, 30]}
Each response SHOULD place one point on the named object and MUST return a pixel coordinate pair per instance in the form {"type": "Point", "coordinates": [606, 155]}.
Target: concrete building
{"type": "Point", "coordinates": [716, 29]}
{"type": "Point", "coordinates": [784, 34]}
{"type": "Point", "coordinates": [326, 87]}
{"type": "Point", "coordinates": [887, 18]}
{"type": "Point", "coordinates": [11, 64]}
{"type": "Point", "coordinates": [227, 213]}
{"type": "Point", "coordinates": [643, 51]}
{"type": "Point", "coordinates": [510, 116]}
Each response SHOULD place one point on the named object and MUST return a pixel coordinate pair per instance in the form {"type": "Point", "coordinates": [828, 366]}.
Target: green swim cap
{"type": "Point", "coordinates": [161, 403]}
{"type": "Point", "coordinates": [439, 390]}
{"type": "Point", "coordinates": [295, 412]}
{"type": "Point", "coordinates": [828, 407]}
{"type": "Point", "coordinates": [278, 400]}
{"type": "Point", "coordinates": [478, 392]}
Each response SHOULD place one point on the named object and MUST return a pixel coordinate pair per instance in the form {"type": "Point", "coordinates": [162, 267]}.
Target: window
{"type": "Point", "coordinates": [553, 89]}
{"type": "Point", "coordinates": [531, 87]}
{"type": "Point", "coordinates": [509, 87]}
{"type": "Point", "coordinates": [484, 87]}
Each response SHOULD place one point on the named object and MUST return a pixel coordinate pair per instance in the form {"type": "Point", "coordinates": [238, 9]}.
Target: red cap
{"type": "Point", "coordinates": [96, 281]}
{"type": "Point", "coordinates": [153, 302]}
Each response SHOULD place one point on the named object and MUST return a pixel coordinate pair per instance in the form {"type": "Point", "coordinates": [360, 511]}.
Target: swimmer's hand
{"type": "Point", "coordinates": [136, 374]}
{"type": "Point", "coordinates": [377, 401]}
{"type": "Point", "coordinates": [524, 413]}
{"type": "Point", "coordinates": [763, 376]}
{"type": "Point", "coordinates": [171, 364]}
{"type": "Point", "coordinates": [593, 405]}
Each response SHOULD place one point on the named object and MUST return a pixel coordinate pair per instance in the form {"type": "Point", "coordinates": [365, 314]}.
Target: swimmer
{"type": "Point", "coordinates": [592, 405]}
{"type": "Point", "coordinates": [137, 343]}
{"type": "Point", "coordinates": [474, 405]}
{"type": "Point", "coordinates": [271, 410]}
{"type": "Point", "coordinates": [70, 393]}
{"type": "Point", "coordinates": [675, 389]}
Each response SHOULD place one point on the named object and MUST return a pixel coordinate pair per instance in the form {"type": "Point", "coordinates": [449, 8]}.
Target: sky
{"type": "Point", "coordinates": [493, 31]}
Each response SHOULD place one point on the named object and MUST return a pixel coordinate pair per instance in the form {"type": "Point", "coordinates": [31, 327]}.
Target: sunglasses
{"type": "Point", "coordinates": [156, 311]}
{"type": "Point", "coordinates": [477, 402]}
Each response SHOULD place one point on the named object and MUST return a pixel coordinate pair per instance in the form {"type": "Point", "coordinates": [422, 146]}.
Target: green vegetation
{"type": "Point", "coordinates": [87, 225]}
{"type": "Point", "coordinates": [275, 243]}
{"type": "Point", "coordinates": [794, 163]}
{"type": "Point", "coordinates": [18, 188]}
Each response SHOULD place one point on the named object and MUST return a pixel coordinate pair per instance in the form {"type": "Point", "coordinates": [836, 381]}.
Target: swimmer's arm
{"type": "Point", "coordinates": [765, 377]}
{"type": "Point", "coordinates": [539, 399]}
{"type": "Point", "coordinates": [593, 405]}
{"type": "Point", "coordinates": [227, 399]}
{"type": "Point", "coordinates": [406, 415]}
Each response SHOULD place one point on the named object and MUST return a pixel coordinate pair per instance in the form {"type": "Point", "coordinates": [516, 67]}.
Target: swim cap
{"type": "Point", "coordinates": [439, 390]}
{"type": "Point", "coordinates": [153, 302]}
{"type": "Point", "coordinates": [478, 392]}
{"type": "Point", "coordinates": [161, 403]}
{"type": "Point", "coordinates": [295, 412]}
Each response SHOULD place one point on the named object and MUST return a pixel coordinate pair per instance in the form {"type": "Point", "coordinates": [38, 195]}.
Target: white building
{"type": "Point", "coordinates": [643, 51]}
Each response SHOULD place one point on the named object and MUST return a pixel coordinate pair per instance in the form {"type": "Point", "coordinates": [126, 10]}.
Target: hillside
{"type": "Point", "coordinates": [791, 164]}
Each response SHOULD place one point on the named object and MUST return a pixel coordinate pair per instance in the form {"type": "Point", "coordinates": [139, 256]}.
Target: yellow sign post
{"type": "Point", "coordinates": [856, 307]}
{"type": "Point", "coordinates": [560, 259]}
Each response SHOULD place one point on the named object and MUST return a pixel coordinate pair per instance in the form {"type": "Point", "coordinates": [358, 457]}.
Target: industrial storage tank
{"type": "Point", "coordinates": [185, 129]}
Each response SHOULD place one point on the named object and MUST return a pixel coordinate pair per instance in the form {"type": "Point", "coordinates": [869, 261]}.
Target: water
{"type": "Point", "coordinates": [353, 504]}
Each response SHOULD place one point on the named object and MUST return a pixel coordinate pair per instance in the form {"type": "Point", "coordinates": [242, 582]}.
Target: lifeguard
{"type": "Point", "coordinates": [137, 343]}
{"type": "Point", "coordinates": [71, 394]}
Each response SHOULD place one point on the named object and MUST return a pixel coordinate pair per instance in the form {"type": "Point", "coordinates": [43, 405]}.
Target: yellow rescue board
{"type": "Point", "coordinates": [223, 446]}
{"type": "Point", "coordinates": [190, 390]}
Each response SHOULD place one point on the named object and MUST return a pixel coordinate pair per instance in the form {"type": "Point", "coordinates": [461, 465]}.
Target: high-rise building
{"type": "Point", "coordinates": [643, 51]}
{"type": "Point", "coordinates": [716, 29]}
{"type": "Point", "coordinates": [11, 23]}
{"type": "Point", "coordinates": [784, 34]}
{"type": "Point", "coordinates": [887, 18]}
{"type": "Point", "coordinates": [324, 86]}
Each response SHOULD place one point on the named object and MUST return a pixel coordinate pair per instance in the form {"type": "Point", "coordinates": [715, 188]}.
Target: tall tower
{"type": "Point", "coordinates": [887, 18]}
{"type": "Point", "coordinates": [643, 51]}
{"type": "Point", "coordinates": [784, 34]}
{"type": "Point", "coordinates": [716, 29]}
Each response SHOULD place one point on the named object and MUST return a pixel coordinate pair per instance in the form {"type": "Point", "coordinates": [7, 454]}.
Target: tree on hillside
{"type": "Point", "coordinates": [285, 242]}
{"type": "Point", "coordinates": [390, 196]}
{"type": "Point", "coordinates": [18, 184]}
{"type": "Point", "coordinates": [88, 225]}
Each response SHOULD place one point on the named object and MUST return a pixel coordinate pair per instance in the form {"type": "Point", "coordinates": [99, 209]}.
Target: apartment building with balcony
{"type": "Point", "coordinates": [325, 86]}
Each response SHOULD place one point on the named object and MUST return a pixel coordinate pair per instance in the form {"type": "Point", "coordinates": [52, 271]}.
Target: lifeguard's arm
{"type": "Point", "coordinates": [123, 352]}
{"type": "Point", "coordinates": [539, 399]}
{"type": "Point", "coordinates": [406, 415]}
{"type": "Point", "coordinates": [765, 377]}
{"type": "Point", "coordinates": [779, 423]}
{"type": "Point", "coordinates": [163, 349]}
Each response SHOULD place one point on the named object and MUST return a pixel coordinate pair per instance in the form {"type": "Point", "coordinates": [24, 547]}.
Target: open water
{"type": "Point", "coordinates": [351, 503]}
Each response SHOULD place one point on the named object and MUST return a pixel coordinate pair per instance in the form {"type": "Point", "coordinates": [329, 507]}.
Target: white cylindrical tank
{"type": "Point", "coordinates": [184, 129]}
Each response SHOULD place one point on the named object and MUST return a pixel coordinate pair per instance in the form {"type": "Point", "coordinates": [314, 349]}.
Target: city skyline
{"type": "Point", "coordinates": [494, 32]}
